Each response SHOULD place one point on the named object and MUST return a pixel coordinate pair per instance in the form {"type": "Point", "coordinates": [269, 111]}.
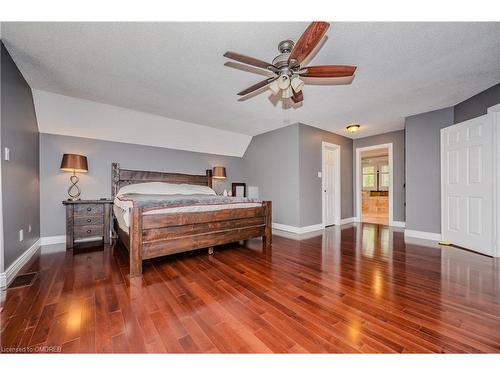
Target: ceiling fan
{"type": "Point", "coordinates": [287, 67]}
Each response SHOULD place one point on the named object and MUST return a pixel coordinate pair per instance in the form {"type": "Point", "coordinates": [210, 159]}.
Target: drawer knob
{"type": "Point", "coordinates": [89, 220]}
{"type": "Point", "coordinates": [89, 208]}
{"type": "Point", "coordinates": [89, 231]}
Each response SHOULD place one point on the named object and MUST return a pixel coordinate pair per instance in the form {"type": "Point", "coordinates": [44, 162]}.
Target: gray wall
{"type": "Point", "coordinates": [284, 164]}
{"type": "Point", "coordinates": [310, 155]}
{"type": "Point", "coordinates": [97, 182]}
{"type": "Point", "coordinates": [477, 105]}
{"type": "Point", "coordinates": [397, 138]}
{"type": "Point", "coordinates": [423, 171]}
{"type": "Point", "coordinates": [20, 176]}
{"type": "Point", "coordinates": [271, 162]}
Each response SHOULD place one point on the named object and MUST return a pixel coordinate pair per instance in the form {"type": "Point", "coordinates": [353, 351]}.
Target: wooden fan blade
{"type": "Point", "coordinates": [297, 97]}
{"type": "Point", "coordinates": [257, 86]}
{"type": "Point", "coordinates": [308, 40]}
{"type": "Point", "coordinates": [250, 61]}
{"type": "Point", "coordinates": [327, 71]}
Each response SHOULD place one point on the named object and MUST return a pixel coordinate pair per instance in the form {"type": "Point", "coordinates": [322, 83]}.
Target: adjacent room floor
{"type": "Point", "coordinates": [357, 288]}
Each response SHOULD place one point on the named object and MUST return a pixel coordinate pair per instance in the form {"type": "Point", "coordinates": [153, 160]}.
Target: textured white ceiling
{"type": "Point", "coordinates": [177, 69]}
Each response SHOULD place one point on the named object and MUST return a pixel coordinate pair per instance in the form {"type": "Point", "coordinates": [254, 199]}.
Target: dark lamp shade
{"type": "Point", "coordinates": [219, 172]}
{"type": "Point", "coordinates": [74, 163]}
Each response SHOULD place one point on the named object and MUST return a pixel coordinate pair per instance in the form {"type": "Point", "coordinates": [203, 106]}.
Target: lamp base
{"type": "Point", "coordinates": [74, 196]}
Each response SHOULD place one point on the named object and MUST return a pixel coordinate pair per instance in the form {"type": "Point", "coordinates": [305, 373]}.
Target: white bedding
{"type": "Point", "coordinates": [121, 208]}
{"type": "Point", "coordinates": [119, 214]}
{"type": "Point", "coordinates": [165, 188]}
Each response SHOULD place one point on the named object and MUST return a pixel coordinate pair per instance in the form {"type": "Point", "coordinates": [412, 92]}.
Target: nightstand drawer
{"type": "Point", "coordinates": [89, 220]}
{"type": "Point", "coordinates": [85, 231]}
{"type": "Point", "coordinates": [88, 209]}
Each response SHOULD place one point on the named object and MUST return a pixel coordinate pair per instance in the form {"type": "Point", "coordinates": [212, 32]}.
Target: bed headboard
{"type": "Point", "coordinates": [122, 177]}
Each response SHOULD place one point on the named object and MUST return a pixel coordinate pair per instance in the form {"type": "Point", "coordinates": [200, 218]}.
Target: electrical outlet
{"type": "Point", "coordinates": [319, 174]}
{"type": "Point", "coordinates": [29, 228]}
{"type": "Point", "coordinates": [21, 235]}
{"type": "Point", "coordinates": [7, 154]}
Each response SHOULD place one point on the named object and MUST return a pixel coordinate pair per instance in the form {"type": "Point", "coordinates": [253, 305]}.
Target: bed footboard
{"type": "Point", "coordinates": [152, 236]}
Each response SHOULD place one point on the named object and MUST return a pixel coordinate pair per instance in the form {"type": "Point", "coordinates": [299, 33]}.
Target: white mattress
{"type": "Point", "coordinates": [119, 214]}
{"type": "Point", "coordinates": [121, 209]}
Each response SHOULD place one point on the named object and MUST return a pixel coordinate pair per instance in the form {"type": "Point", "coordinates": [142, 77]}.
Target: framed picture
{"type": "Point", "coordinates": [239, 189]}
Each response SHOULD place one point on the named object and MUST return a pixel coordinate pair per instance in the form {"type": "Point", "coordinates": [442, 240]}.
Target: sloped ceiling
{"type": "Point", "coordinates": [176, 70]}
{"type": "Point", "coordinates": [59, 114]}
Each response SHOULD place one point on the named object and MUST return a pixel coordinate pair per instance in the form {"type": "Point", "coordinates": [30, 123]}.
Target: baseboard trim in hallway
{"type": "Point", "coordinates": [347, 220]}
{"type": "Point", "coordinates": [399, 224]}
{"type": "Point", "coordinates": [422, 235]}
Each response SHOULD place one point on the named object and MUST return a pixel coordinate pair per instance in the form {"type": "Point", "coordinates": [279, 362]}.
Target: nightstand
{"type": "Point", "coordinates": [87, 219]}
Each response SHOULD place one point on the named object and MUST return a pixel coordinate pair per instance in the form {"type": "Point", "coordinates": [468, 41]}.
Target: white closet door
{"type": "Point", "coordinates": [467, 184]}
{"type": "Point", "coordinates": [329, 187]}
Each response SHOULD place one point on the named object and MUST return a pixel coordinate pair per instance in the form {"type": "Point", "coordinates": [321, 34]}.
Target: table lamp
{"type": "Point", "coordinates": [74, 163]}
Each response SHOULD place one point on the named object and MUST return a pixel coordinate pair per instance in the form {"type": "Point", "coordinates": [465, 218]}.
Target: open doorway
{"type": "Point", "coordinates": [374, 184]}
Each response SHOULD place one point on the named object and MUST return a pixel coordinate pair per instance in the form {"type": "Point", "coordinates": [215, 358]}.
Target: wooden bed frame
{"type": "Point", "coordinates": [156, 235]}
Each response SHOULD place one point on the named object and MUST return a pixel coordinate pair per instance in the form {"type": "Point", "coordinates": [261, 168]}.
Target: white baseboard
{"type": "Point", "coordinates": [347, 220]}
{"type": "Point", "coordinates": [11, 272]}
{"type": "Point", "coordinates": [51, 240]}
{"type": "Point", "coordinates": [399, 224]}
{"type": "Point", "coordinates": [298, 230]}
{"type": "Point", "coordinates": [423, 235]}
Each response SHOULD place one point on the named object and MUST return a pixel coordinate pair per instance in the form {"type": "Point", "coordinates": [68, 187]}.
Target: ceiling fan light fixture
{"type": "Point", "coordinates": [273, 86]}
{"type": "Point", "coordinates": [297, 84]}
{"type": "Point", "coordinates": [287, 93]}
{"type": "Point", "coordinates": [290, 65]}
{"type": "Point", "coordinates": [283, 82]}
{"type": "Point", "coordinates": [353, 128]}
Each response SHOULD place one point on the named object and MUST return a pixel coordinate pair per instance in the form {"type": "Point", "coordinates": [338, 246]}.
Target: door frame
{"type": "Point", "coordinates": [357, 192]}
{"type": "Point", "coordinates": [338, 211]}
{"type": "Point", "coordinates": [494, 112]}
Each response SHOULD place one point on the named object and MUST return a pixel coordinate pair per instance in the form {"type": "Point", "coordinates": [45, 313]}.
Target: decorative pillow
{"type": "Point", "coordinates": [165, 188]}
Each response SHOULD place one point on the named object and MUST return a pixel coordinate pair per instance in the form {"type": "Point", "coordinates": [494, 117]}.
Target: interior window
{"type": "Point", "coordinates": [384, 177]}
{"type": "Point", "coordinates": [369, 177]}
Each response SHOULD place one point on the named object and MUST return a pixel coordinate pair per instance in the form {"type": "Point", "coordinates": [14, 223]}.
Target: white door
{"type": "Point", "coordinates": [329, 186]}
{"type": "Point", "coordinates": [466, 184]}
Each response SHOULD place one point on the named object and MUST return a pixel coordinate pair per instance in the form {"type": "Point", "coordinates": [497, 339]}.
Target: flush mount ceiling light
{"type": "Point", "coordinates": [289, 65]}
{"type": "Point", "coordinates": [353, 128]}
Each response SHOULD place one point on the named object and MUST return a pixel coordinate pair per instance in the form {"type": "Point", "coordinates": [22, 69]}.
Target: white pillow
{"type": "Point", "coordinates": [165, 188]}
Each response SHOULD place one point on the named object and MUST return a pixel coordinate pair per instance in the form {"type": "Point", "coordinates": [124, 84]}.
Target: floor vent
{"type": "Point", "coordinates": [23, 280]}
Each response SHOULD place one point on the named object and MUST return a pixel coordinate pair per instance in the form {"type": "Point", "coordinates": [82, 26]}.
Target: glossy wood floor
{"type": "Point", "coordinates": [353, 289]}
{"type": "Point", "coordinates": [375, 219]}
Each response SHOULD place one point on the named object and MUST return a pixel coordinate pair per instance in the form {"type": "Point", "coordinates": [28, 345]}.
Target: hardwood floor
{"type": "Point", "coordinates": [353, 289]}
{"type": "Point", "coordinates": [374, 219]}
